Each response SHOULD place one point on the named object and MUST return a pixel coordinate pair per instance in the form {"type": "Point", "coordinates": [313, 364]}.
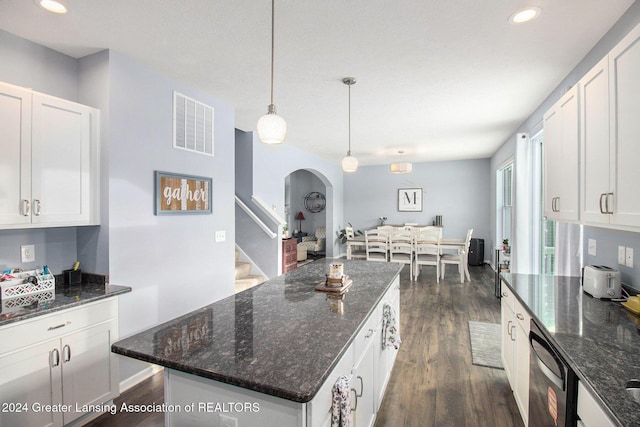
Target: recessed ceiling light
{"type": "Point", "coordinates": [525, 15]}
{"type": "Point", "coordinates": [52, 6]}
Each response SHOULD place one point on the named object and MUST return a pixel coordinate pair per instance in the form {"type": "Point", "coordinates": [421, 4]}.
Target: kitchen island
{"type": "Point", "coordinates": [272, 353]}
{"type": "Point", "coordinates": [599, 339]}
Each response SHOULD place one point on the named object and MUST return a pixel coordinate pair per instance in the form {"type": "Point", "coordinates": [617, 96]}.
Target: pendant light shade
{"type": "Point", "coordinates": [349, 163]}
{"type": "Point", "coordinates": [272, 129]}
{"type": "Point", "coordinates": [402, 167]}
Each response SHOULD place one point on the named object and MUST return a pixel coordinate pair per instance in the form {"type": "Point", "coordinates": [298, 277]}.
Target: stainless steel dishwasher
{"type": "Point", "coordinates": [553, 386]}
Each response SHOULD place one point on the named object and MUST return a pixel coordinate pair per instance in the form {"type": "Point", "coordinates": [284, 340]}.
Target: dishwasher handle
{"type": "Point", "coordinates": [546, 370]}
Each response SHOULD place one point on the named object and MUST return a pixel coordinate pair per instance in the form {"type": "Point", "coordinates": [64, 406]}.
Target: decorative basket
{"type": "Point", "coordinates": [10, 305]}
{"type": "Point", "coordinates": [20, 287]}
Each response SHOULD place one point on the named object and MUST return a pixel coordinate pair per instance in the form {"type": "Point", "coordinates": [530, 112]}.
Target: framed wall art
{"type": "Point", "coordinates": [179, 194]}
{"type": "Point", "coordinates": [410, 199]}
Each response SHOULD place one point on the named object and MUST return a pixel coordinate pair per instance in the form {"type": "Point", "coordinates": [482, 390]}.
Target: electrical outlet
{"type": "Point", "coordinates": [629, 257]}
{"type": "Point", "coordinates": [227, 421]}
{"type": "Point", "coordinates": [28, 253]}
{"type": "Point", "coordinates": [221, 236]}
{"type": "Point", "coordinates": [622, 255]}
{"type": "Point", "coordinates": [592, 247]}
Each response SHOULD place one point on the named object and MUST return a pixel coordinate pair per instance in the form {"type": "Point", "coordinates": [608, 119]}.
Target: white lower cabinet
{"type": "Point", "coordinates": [590, 413]}
{"type": "Point", "coordinates": [515, 349]}
{"type": "Point", "coordinates": [60, 364]}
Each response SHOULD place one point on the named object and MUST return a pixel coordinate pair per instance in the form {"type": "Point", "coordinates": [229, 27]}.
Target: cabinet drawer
{"type": "Point", "coordinates": [366, 335]}
{"type": "Point", "coordinates": [522, 317]}
{"type": "Point", "coordinates": [508, 298]}
{"type": "Point", "coordinates": [31, 331]}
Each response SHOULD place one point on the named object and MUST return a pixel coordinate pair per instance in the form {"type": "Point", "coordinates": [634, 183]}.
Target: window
{"type": "Point", "coordinates": [504, 199]}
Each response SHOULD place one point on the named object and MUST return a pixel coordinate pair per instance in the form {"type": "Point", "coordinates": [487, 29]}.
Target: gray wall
{"type": "Point", "coordinates": [621, 28]}
{"type": "Point", "coordinates": [302, 183]}
{"type": "Point", "coordinates": [457, 190]}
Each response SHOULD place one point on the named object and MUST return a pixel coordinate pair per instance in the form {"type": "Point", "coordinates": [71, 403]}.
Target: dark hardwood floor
{"type": "Point", "coordinates": [433, 382]}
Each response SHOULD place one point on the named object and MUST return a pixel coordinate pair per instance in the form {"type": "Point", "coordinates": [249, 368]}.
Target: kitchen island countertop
{"type": "Point", "coordinates": [280, 338]}
{"type": "Point", "coordinates": [599, 339]}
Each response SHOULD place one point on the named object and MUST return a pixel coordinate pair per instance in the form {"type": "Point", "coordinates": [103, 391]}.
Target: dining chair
{"type": "Point", "coordinates": [355, 249]}
{"type": "Point", "coordinates": [427, 250]}
{"type": "Point", "coordinates": [376, 245]}
{"type": "Point", "coordinates": [401, 248]}
{"type": "Point", "coordinates": [460, 258]}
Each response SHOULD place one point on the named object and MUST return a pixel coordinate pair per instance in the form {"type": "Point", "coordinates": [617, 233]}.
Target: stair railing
{"type": "Point", "coordinates": [255, 218]}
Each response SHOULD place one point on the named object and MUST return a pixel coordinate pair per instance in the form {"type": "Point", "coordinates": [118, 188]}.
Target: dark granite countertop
{"type": "Point", "coordinates": [599, 339]}
{"type": "Point", "coordinates": [65, 297]}
{"type": "Point", "coordinates": [281, 338]}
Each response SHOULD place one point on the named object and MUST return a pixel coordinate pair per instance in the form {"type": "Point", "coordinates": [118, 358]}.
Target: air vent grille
{"type": "Point", "coordinates": [192, 125]}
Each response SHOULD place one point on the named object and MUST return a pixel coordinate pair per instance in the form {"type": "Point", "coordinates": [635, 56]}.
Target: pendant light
{"type": "Point", "coordinates": [401, 167]}
{"type": "Point", "coordinates": [349, 163]}
{"type": "Point", "coordinates": [272, 129]}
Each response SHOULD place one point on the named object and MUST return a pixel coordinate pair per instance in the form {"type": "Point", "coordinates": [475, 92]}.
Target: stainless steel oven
{"type": "Point", "coordinates": [553, 386]}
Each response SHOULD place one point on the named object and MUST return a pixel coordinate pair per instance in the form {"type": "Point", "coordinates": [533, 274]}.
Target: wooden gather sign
{"type": "Point", "coordinates": [182, 194]}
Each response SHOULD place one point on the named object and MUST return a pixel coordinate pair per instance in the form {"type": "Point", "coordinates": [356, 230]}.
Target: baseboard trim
{"type": "Point", "coordinates": [136, 379]}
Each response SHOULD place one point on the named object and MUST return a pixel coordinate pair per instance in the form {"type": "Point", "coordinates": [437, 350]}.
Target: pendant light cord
{"type": "Point", "coordinates": [349, 152]}
{"type": "Point", "coordinates": [273, 8]}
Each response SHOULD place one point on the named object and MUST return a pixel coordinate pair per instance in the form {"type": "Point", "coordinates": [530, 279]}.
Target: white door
{"type": "Point", "coordinates": [594, 122]}
{"type": "Point", "coordinates": [508, 348]}
{"type": "Point", "coordinates": [15, 157]}
{"type": "Point", "coordinates": [61, 161]}
{"type": "Point", "coordinates": [624, 69]}
{"type": "Point", "coordinates": [86, 368]}
{"type": "Point", "coordinates": [363, 382]}
{"type": "Point", "coordinates": [31, 376]}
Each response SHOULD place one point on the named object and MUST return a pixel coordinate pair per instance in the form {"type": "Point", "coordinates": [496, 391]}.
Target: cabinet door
{"type": "Point", "coordinates": [15, 160]}
{"type": "Point", "coordinates": [363, 382]}
{"type": "Point", "coordinates": [594, 123]}
{"type": "Point", "coordinates": [88, 375]}
{"type": "Point", "coordinates": [624, 92]}
{"type": "Point", "coordinates": [30, 378]}
{"type": "Point", "coordinates": [562, 158]}
{"type": "Point", "coordinates": [521, 390]}
{"type": "Point", "coordinates": [62, 134]}
{"type": "Point", "coordinates": [552, 161]}
{"type": "Point", "coordinates": [508, 341]}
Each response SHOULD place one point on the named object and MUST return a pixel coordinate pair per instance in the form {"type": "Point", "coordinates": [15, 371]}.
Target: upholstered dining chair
{"type": "Point", "coordinates": [460, 258]}
{"type": "Point", "coordinates": [427, 249]}
{"type": "Point", "coordinates": [376, 245]}
{"type": "Point", "coordinates": [401, 248]}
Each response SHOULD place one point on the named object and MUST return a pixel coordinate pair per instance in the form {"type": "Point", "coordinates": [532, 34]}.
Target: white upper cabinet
{"type": "Point", "coordinates": [610, 137]}
{"type": "Point", "coordinates": [52, 161]}
{"type": "Point", "coordinates": [561, 154]}
{"type": "Point", "coordinates": [624, 93]}
{"type": "Point", "coordinates": [594, 135]}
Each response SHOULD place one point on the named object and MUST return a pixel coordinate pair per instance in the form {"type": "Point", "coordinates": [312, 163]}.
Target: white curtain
{"type": "Point", "coordinates": [524, 217]}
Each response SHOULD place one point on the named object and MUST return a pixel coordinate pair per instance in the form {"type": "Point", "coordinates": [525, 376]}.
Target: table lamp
{"type": "Point", "coordinates": [300, 218]}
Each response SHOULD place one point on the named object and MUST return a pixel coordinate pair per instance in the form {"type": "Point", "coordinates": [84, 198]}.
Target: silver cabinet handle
{"type": "Point", "coordinates": [26, 207]}
{"type": "Point", "coordinates": [609, 209]}
{"type": "Point", "coordinates": [509, 328]}
{"type": "Point", "coordinates": [520, 316]}
{"type": "Point", "coordinates": [369, 333]}
{"type": "Point", "coordinates": [54, 358]}
{"type": "Point", "coordinates": [602, 211]}
{"type": "Point", "coordinates": [504, 294]}
{"type": "Point", "coordinates": [512, 337]}
{"type": "Point", "coordinates": [66, 353]}
{"type": "Point", "coordinates": [36, 207]}
{"type": "Point", "coordinates": [61, 325]}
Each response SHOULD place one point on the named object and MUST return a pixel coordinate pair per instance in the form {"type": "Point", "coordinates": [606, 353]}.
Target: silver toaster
{"type": "Point", "coordinates": [601, 281]}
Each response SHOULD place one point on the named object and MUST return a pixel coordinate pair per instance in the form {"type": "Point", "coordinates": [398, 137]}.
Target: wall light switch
{"type": "Point", "coordinates": [622, 255]}
{"type": "Point", "coordinates": [592, 247]}
{"type": "Point", "coordinates": [28, 253]}
{"type": "Point", "coordinates": [221, 236]}
{"type": "Point", "coordinates": [629, 258]}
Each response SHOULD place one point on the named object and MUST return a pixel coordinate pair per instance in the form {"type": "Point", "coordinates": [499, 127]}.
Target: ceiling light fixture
{"type": "Point", "coordinates": [349, 163]}
{"type": "Point", "coordinates": [525, 15]}
{"type": "Point", "coordinates": [53, 6]}
{"type": "Point", "coordinates": [401, 167]}
{"type": "Point", "coordinates": [272, 129]}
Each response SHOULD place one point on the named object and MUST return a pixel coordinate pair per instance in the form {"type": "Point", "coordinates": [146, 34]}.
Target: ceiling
{"type": "Point", "coordinates": [438, 79]}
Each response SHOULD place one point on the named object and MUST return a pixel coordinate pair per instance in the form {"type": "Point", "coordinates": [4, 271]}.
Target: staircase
{"type": "Point", "coordinates": [244, 278]}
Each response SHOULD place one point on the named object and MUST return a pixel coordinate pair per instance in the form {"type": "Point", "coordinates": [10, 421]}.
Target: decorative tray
{"type": "Point", "coordinates": [346, 283]}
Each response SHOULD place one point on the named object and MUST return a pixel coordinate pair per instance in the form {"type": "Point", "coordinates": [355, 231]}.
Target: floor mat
{"type": "Point", "coordinates": [486, 344]}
